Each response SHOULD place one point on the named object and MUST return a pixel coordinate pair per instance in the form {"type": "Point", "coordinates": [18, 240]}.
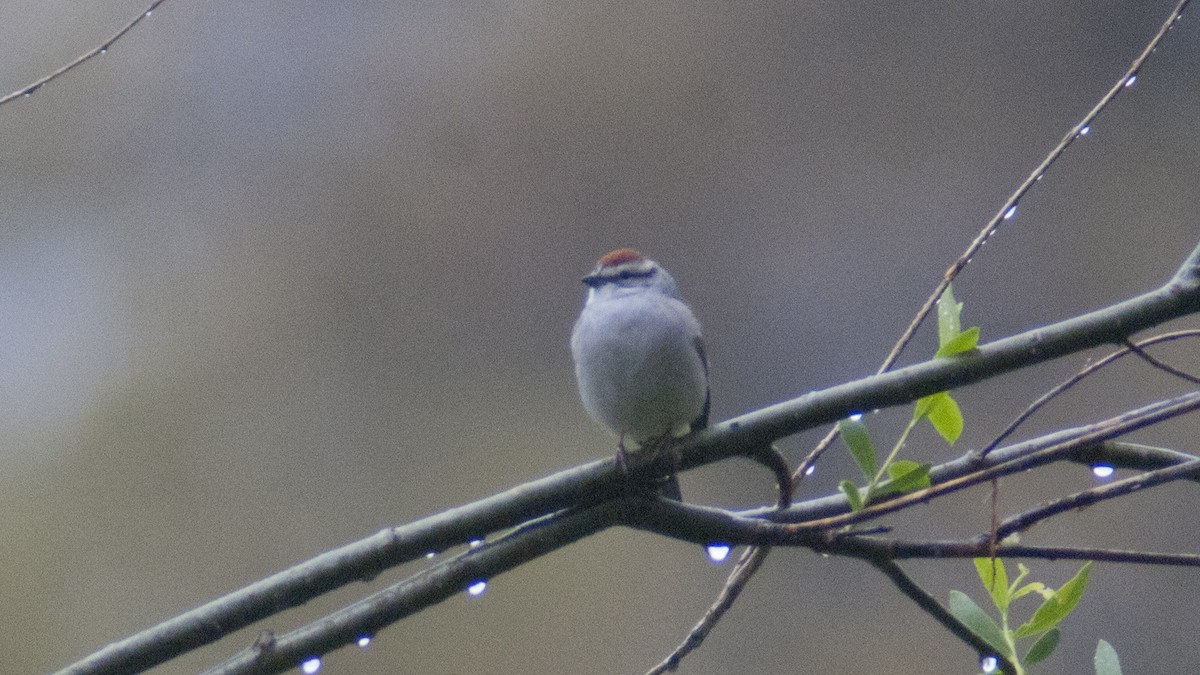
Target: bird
{"type": "Point", "coordinates": [639, 357]}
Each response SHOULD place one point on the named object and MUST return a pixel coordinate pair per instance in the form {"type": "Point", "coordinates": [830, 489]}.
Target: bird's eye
{"type": "Point", "coordinates": [626, 274]}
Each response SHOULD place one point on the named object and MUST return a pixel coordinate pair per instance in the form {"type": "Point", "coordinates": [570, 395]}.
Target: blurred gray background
{"type": "Point", "coordinates": [275, 275]}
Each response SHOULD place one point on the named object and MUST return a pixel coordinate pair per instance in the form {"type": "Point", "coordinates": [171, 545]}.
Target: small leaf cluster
{"type": "Point", "coordinates": [893, 475]}
{"type": "Point", "coordinates": [941, 409]}
{"type": "Point", "coordinates": [1041, 628]}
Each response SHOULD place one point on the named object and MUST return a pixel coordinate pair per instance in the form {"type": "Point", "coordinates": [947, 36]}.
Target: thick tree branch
{"type": "Point", "coordinates": [601, 480]}
{"type": "Point", "coordinates": [425, 588]}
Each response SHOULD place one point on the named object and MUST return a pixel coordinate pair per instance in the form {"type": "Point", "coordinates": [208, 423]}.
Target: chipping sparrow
{"type": "Point", "coordinates": [639, 358]}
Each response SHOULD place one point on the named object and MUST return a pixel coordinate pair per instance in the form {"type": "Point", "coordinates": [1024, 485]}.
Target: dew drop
{"type": "Point", "coordinates": [1012, 211]}
{"type": "Point", "coordinates": [810, 470]}
{"type": "Point", "coordinates": [1130, 80]}
{"type": "Point", "coordinates": [1040, 176]}
{"type": "Point", "coordinates": [1102, 470]}
{"type": "Point", "coordinates": [476, 543]}
{"type": "Point", "coordinates": [363, 641]}
{"type": "Point", "coordinates": [1085, 131]}
{"type": "Point", "coordinates": [149, 12]}
{"type": "Point", "coordinates": [477, 588]}
{"type": "Point", "coordinates": [104, 50]}
{"type": "Point", "coordinates": [856, 417]}
{"type": "Point", "coordinates": [718, 552]}
{"type": "Point", "coordinates": [989, 664]}
{"type": "Point", "coordinates": [431, 555]}
{"type": "Point", "coordinates": [310, 666]}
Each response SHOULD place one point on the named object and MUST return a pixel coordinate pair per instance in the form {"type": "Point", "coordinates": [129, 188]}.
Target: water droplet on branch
{"type": "Point", "coordinates": [718, 552]}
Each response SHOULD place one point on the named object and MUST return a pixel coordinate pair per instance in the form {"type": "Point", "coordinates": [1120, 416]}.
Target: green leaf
{"type": "Point", "coordinates": [978, 622]}
{"type": "Point", "coordinates": [853, 496]}
{"type": "Point", "coordinates": [963, 342]}
{"type": "Point", "coordinates": [1043, 648]}
{"type": "Point", "coordinates": [1106, 660]}
{"type": "Point", "coordinates": [858, 440]}
{"type": "Point", "coordinates": [948, 312]}
{"type": "Point", "coordinates": [995, 580]}
{"type": "Point", "coordinates": [1056, 608]}
{"type": "Point", "coordinates": [943, 414]}
{"type": "Point", "coordinates": [905, 476]}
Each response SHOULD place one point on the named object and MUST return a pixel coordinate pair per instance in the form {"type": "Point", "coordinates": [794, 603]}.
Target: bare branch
{"type": "Point", "coordinates": [1165, 367]}
{"type": "Point", "coordinates": [1080, 376]}
{"type": "Point", "coordinates": [751, 559]}
{"type": "Point", "coordinates": [1009, 207]}
{"type": "Point", "coordinates": [871, 547]}
{"type": "Point", "coordinates": [1027, 519]}
{"type": "Point", "coordinates": [933, 608]}
{"type": "Point", "coordinates": [87, 56]}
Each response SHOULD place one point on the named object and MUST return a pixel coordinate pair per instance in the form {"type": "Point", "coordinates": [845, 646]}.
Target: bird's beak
{"type": "Point", "coordinates": [591, 281]}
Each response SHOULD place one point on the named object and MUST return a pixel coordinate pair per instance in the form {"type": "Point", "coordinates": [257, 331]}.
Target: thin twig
{"type": "Point", "coordinates": [1008, 209]}
{"type": "Point", "coordinates": [897, 549]}
{"type": "Point", "coordinates": [933, 608]}
{"type": "Point", "coordinates": [28, 89]}
{"type": "Point", "coordinates": [1165, 367]}
{"type": "Point", "coordinates": [752, 558]}
{"type": "Point", "coordinates": [1023, 521]}
{"type": "Point", "coordinates": [1077, 378]}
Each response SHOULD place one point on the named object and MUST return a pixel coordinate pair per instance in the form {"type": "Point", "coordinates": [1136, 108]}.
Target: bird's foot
{"type": "Point", "coordinates": [622, 456]}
